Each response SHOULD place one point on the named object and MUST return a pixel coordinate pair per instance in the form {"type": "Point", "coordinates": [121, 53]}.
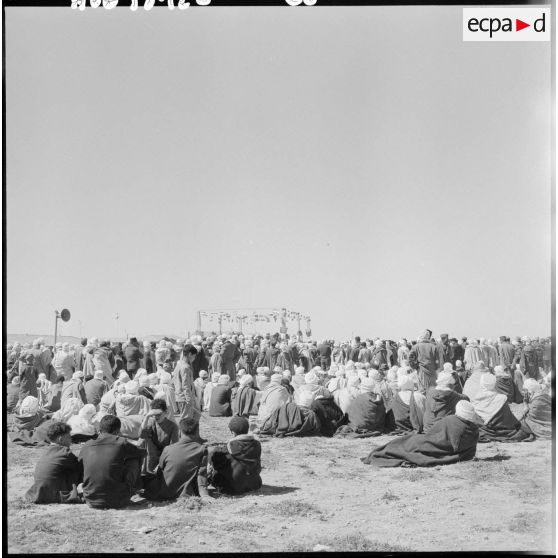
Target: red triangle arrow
{"type": "Point", "coordinates": [519, 25]}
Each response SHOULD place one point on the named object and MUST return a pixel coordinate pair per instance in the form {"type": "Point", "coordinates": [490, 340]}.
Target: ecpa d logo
{"type": "Point", "coordinates": [506, 24]}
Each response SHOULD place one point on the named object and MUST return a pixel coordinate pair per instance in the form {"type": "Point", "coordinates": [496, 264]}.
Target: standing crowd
{"type": "Point", "coordinates": [136, 408]}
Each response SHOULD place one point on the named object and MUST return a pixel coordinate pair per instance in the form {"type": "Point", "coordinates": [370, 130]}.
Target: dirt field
{"type": "Point", "coordinates": [316, 492]}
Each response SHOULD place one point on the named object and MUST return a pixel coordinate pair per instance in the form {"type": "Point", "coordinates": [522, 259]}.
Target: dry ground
{"type": "Point", "coordinates": [316, 491]}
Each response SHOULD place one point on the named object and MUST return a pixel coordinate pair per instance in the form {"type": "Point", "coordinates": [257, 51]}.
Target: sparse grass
{"type": "Point", "coordinates": [348, 543]}
{"type": "Point", "coordinates": [294, 508]}
{"type": "Point", "coordinates": [389, 496]}
{"type": "Point", "coordinates": [415, 475]}
{"type": "Point", "coordinates": [528, 522]}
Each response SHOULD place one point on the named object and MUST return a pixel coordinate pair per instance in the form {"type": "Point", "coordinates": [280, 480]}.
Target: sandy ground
{"type": "Point", "coordinates": [316, 491]}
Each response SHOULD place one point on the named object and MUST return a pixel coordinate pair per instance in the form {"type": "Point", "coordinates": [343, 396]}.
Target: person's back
{"type": "Point", "coordinates": [238, 469]}
{"type": "Point", "coordinates": [367, 412]}
{"type": "Point", "coordinates": [182, 467]}
{"type": "Point", "coordinates": [220, 399]}
{"type": "Point", "coordinates": [133, 356]}
{"type": "Point", "coordinates": [12, 394]}
{"type": "Point", "coordinates": [95, 389]}
{"type": "Point", "coordinates": [440, 401]}
{"type": "Point", "coordinates": [58, 471]}
{"type": "Point", "coordinates": [111, 467]}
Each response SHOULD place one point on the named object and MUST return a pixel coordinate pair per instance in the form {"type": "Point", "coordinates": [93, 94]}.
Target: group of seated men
{"type": "Point", "coordinates": [110, 469]}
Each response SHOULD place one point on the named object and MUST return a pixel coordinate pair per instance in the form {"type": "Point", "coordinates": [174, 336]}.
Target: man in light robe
{"type": "Point", "coordinates": [274, 396]}
{"type": "Point", "coordinates": [537, 418]}
{"type": "Point", "coordinates": [473, 355]}
{"type": "Point", "coordinates": [312, 385]}
{"type": "Point", "coordinates": [499, 423]}
{"type": "Point", "coordinates": [63, 362]}
{"type": "Point", "coordinates": [246, 400]}
{"type": "Point", "coordinates": [407, 406]}
{"type": "Point", "coordinates": [131, 402]}
{"type": "Point", "coordinates": [184, 383]}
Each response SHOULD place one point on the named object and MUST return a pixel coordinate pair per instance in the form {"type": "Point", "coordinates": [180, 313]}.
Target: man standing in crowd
{"type": "Point", "coordinates": [133, 357]}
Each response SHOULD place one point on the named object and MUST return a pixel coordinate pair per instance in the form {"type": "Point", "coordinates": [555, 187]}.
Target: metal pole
{"type": "Point", "coordinates": [199, 321]}
{"type": "Point", "coordinates": [55, 327]}
{"type": "Point", "coordinates": [220, 326]}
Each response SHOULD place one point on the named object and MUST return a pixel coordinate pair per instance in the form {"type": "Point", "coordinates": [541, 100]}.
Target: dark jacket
{"type": "Point", "coordinates": [238, 469]}
{"type": "Point", "coordinates": [220, 401]}
{"type": "Point", "coordinates": [107, 462]}
{"type": "Point", "coordinates": [133, 356]}
{"type": "Point", "coordinates": [182, 469]}
{"type": "Point", "coordinates": [56, 474]}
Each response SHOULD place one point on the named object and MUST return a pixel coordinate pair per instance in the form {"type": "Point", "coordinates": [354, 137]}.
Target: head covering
{"type": "Point", "coordinates": [305, 398]}
{"type": "Point", "coordinates": [311, 377]}
{"type": "Point", "coordinates": [132, 387]}
{"type": "Point", "coordinates": [299, 370]}
{"type": "Point", "coordinates": [448, 367]}
{"type": "Point", "coordinates": [406, 383]}
{"type": "Point", "coordinates": [246, 380]}
{"type": "Point", "coordinates": [99, 375]}
{"type": "Point", "coordinates": [87, 411]}
{"type": "Point", "coordinates": [154, 378]}
{"type": "Point", "coordinates": [530, 385]}
{"type": "Point", "coordinates": [141, 372]}
{"type": "Point", "coordinates": [144, 381]}
{"type": "Point", "coordinates": [123, 377]}
{"type": "Point", "coordinates": [70, 408]}
{"type": "Point", "coordinates": [445, 380]}
{"type": "Point", "coordinates": [353, 381]}
{"type": "Point", "coordinates": [479, 366]}
{"type": "Point", "coordinates": [121, 388]}
{"type": "Point", "coordinates": [215, 377]}
{"type": "Point", "coordinates": [164, 377]}
{"type": "Point", "coordinates": [375, 375]}
{"type": "Point", "coordinates": [276, 378]}
{"type": "Point", "coordinates": [465, 410]}
{"type": "Point", "coordinates": [204, 374]}
{"type": "Point", "coordinates": [367, 385]}
{"type": "Point", "coordinates": [16, 381]}
{"type": "Point", "coordinates": [500, 371]}
{"type": "Point", "coordinates": [77, 375]}
{"type": "Point", "coordinates": [223, 379]}
{"type": "Point", "coordinates": [488, 381]}
{"type": "Point", "coordinates": [29, 406]}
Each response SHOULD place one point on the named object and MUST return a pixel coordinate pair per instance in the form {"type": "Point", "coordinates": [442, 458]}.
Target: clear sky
{"type": "Point", "coordinates": [364, 166]}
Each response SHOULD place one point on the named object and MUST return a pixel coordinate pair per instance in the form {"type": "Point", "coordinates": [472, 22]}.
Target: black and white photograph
{"type": "Point", "coordinates": [278, 277]}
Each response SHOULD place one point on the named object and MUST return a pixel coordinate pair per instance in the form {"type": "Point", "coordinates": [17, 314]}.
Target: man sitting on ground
{"type": "Point", "coordinates": [220, 400]}
{"type": "Point", "coordinates": [182, 469]}
{"type": "Point", "coordinates": [450, 440]}
{"type": "Point", "coordinates": [158, 432]}
{"type": "Point", "coordinates": [111, 467]}
{"type": "Point", "coordinates": [58, 471]}
{"type": "Point", "coordinates": [237, 470]}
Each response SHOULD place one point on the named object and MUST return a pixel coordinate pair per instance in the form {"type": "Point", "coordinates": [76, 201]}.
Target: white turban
{"type": "Point", "coordinates": [99, 375]}
{"type": "Point", "coordinates": [299, 370]}
{"type": "Point", "coordinates": [215, 377]}
{"type": "Point", "coordinates": [445, 379]}
{"type": "Point", "coordinates": [465, 410]}
{"type": "Point", "coordinates": [204, 374]}
{"type": "Point", "coordinates": [132, 387]}
{"type": "Point", "coordinates": [448, 367]}
{"type": "Point", "coordinates": [144, 381]}
{"type": "Point", "coordinates": [405, 383]}
{"type": "Point", "coordinates": [123, 377]}
{"type": "Point", "coordinates": [78, 374]}
{"type": "Point", "coordinates": [305, 398]}
{"type": "Point", "coordinates": [223, 379]}
{"type": "Point", "coordinates": [367, 385]}
{"type": "Point", "coordinates": [164, 377]}
{"type": "Point", "coordinates": [311, 377]}
{"type": "Point", "coordinates": [29, 406]}
{"type": "Point", "coordinates": [532, 386]}
{"type": "Point", "coordinates": [276, 378]}
{"type": "Point", "coordinates": [87, 411]}
{"type": "Point", "coordinates": [488, 382]}
{"type": "Point", "coordinates": [246, 380]}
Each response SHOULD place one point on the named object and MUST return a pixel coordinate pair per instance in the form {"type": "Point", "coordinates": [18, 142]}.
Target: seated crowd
{"type": "Point", "coordinates": [137, 414]}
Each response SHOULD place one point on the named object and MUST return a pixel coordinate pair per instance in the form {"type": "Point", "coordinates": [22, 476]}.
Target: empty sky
{"type": "Point", "coordinates": [361, 165]}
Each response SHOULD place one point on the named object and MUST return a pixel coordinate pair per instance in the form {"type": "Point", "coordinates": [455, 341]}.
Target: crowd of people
{"type": "Point", "coordinates": [136, 408]}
